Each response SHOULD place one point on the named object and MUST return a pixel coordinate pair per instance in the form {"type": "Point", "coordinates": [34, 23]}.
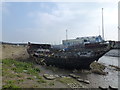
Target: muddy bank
{"type": "Point", "coordinates": [13, 52]}
{"type": "Point", "coordinates": [86, 78]}
{"type": "Point", "coordinates": [109, 76]}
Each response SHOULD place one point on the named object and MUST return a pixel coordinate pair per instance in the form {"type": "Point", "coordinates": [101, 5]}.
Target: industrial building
{"type": "Point", "coordinates": [82, 40]}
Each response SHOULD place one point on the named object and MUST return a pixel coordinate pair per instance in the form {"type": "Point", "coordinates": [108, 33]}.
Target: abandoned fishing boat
{"type": "Point", "coordinates": [71, 57]}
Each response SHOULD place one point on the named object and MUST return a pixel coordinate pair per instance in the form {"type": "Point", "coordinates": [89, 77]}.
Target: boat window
{"type": "Point", "coordinates": [85, 40]}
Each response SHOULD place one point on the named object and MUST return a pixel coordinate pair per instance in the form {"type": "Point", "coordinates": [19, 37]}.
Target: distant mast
{"type": "Point", "coordinates": [66, 35]}
{"type": "Point", "coordinates": [102, 25]}
{"type": "Point", "coordinates": [99, 29]}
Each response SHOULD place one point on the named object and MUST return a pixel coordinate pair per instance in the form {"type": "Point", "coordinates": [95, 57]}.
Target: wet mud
{"type": "Point", "coordinates": [96, 80]}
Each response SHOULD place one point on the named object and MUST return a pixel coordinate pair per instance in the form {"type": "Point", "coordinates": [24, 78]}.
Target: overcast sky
{"type": "Point", "coordinates": [46, 22]}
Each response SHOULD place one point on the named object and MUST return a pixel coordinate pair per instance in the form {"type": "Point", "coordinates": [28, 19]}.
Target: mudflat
{"type": "Point", "coordinates": [20, 73]}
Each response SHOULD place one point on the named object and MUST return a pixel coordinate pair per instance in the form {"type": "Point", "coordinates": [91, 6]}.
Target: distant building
{"type": "Point", "coordinates": [117, 45]}
{"type": "Point", "coordinates": [82, 40]}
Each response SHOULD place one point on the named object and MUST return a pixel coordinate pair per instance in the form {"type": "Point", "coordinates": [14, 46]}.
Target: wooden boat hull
{"type": "Point", "coordinates": [72, 63]}
{"type": "Point", "coordinates": [73, 57]}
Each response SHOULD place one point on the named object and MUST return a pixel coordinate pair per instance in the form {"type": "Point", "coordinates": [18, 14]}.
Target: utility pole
{"type": "Point", "coordinates": [118, 33]}
{"type": "Point", "coordinates": [118, 27]}
{"type": "Point", "coordinates": [102, 25]}
{"type": "Point", "coordinates": [66, 35]}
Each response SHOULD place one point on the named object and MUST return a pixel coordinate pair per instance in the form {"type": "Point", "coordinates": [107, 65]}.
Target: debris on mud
{"type": "Point", "coordinates": [74, 71]}
{"type": "Point", "coordinates": [113, 88]}
{"type": "Point", "coordinates": [65, 76]}
{"type": "Point", "coordinates": [76, 85]}
{"type": "Point", "coordinates": [108, 88]}
{"type": "Point", "coordinates": [100, 72]}
{"type": "Point", "coordinates": [74, 76]}
{"type": "Point", "coordinates": [103, 88]}
{"type": "Point", "coordinates": [98, 68]}
{"type": "Point", "coordinates": [39, 61]}
{"type": "Point", "coordinates": [50, 77]}
{"type": "Point", "coordinates": [116, 67]}
{"type": "Point", "coordinates": [96, 65]}
{"type": "Point", "coordinates": [84, 81]}
{"type": "Point", "coordinates": [86, 71]}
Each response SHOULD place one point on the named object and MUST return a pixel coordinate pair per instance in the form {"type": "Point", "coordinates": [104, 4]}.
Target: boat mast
{"type": "Point", "coordinates": [102, 25]}
{"type": "Point", "coordinates": [99, 29]}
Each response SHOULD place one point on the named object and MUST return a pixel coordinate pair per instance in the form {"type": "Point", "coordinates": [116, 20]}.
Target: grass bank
{"type": "Point", "coordinates": [16, 74]}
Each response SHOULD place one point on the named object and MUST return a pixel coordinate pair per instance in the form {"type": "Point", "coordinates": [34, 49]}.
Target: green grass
{"type": "Point", "coordinates": [16, 72]}
{"type": "Point", "coordinates": [51, 83]}
{"type": "Point", "coordinates": [18, 75]}
{"type": "Point", "coordinates": [10, 84]}
{"type": "Point", "coordinates": [40, 79]}
{"type": "Point", "coordinates": [67, 80]}
{"type": "Point", "coordinates": [20, 67]}
{"type": "Point", "coordinates": [20, 80]}
{"type": "Point", "coordinates": [29, 78]}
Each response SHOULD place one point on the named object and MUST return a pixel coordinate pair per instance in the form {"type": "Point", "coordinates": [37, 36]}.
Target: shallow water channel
{"type": "Point", "coordinates": [111, 79]}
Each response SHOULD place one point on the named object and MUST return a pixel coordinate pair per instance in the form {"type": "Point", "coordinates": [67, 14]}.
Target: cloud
{"type": "Point", "coordinates": [0, 21]}
{"type": "Point", "coordinates": [60, 1]}
{"type": "Point", "coordinates": [77, 18]}
{"type": "Point", "coordinates": [50, 20]}
{"type": "Point", "coordinates": [5, 8]}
